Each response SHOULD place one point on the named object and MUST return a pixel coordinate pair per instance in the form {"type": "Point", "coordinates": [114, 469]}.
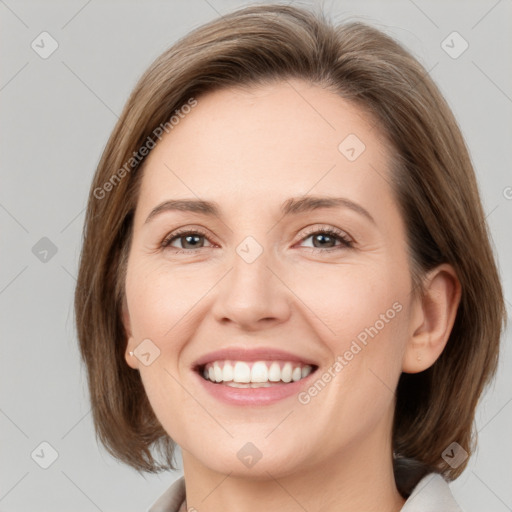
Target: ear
{"type": "Point", "coordinates": [432, 319]}
{"type": "Point", "coordinates": [131, 360]}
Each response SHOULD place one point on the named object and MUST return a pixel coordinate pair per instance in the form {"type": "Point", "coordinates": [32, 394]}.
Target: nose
{"type": "Point", "coordinates": [251, 296]}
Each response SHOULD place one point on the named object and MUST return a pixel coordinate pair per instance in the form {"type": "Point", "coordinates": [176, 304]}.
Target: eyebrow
{"type": "Point", "coordinates": [292, 206]}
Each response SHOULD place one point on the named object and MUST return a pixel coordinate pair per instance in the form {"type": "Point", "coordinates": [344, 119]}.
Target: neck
{"type": "Point", "coordinates": [357, 480]}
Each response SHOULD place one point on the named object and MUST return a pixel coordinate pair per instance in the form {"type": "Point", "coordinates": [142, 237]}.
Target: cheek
{"type": "Point", "coordinates": [165, 307]}
{"type": "Point", "coordinates": [161, 305]}
{"type": "Point", "coordinates": [350, 302]}
{"type": "Point", "coordinates": [161, 300]}
{"type": "Point", "coordinates": [361, 316]}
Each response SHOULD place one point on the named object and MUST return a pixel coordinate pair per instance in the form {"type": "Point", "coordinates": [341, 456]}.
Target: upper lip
{"type": "Point", "coordinates": [251, 354]}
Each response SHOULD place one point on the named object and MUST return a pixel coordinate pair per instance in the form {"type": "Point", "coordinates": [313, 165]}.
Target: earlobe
{"type": "Point", "coordinates": [129, 357]}
{"type": "Point", "coordinates": [432, 319]}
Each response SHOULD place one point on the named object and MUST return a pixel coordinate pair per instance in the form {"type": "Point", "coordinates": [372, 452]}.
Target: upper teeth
{"type": "Point", "coordinates": [258, 371]}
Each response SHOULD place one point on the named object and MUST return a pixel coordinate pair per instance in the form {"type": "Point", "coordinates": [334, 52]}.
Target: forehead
{"type": "Point", "coordinates": [269, 142]}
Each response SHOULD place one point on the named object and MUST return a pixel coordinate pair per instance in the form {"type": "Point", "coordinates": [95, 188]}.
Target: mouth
{"type": "Point", "coordinates": [253, 377]}
{"type": "Point", "coordinates": [254, 374]}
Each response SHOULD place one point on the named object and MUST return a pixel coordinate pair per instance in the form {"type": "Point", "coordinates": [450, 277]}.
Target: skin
{"type": "Point", "coordinates": [249, 151]}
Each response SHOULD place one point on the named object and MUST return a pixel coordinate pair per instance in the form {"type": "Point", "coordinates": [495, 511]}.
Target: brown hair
{"type": "Point", "coordinates": [434, 184]}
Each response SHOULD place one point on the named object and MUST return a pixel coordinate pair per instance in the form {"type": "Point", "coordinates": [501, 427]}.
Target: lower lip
{"type": "Point", "coordinates": [253, 396]}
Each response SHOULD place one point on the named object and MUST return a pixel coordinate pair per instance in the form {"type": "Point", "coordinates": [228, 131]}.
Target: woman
{"type": "Point", "coordinates": [286, 271]}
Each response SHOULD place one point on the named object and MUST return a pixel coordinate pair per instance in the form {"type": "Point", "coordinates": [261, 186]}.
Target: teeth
{"type": "Point", "coordinates": [286, 372]}
{"type": "Point", "coordinates": [242, 374]}
{"type": "Point", "coordinates": [274, 373]}
{"type": "Point", "coordinates": [217, 371]}
{"type": "Point", "coordinates": [227, 373]}
{"type": "Point", "coordinates": [259, 372]}
{"type": "Point", "coordinates": [249, 385]}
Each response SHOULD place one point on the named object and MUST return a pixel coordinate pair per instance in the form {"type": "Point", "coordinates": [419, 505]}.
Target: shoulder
{"type": "Point", "coordinates": [431, 494]}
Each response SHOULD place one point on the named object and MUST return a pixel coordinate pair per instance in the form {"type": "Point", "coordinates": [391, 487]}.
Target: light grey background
{"type": "Point", "coordinates": [56, 115]}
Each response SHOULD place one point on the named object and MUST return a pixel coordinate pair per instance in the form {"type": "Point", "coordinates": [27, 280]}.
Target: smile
{"type": "Point", "coordinates": [254, 374]}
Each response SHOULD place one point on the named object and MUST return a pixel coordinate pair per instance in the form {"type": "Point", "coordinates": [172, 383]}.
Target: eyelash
{"type": "Point", "coordinates": [346, 242]}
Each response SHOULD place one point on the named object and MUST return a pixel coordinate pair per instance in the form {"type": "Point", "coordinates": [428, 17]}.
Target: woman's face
{"type": "Point", "coordinates": [298, 262]}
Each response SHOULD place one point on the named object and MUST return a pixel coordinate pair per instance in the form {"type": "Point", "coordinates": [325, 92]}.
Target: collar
{"type": "Point", "coordinates": [431, 494]}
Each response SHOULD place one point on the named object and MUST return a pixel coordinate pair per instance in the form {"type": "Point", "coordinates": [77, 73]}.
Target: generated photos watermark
{"type": "Point", "coordinates": [342, 360]}
{"type": "Point", "coordinates": [149, 144]}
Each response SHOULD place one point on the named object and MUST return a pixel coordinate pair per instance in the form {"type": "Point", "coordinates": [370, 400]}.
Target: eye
{"type": "Point", "coordinates": [328, 238]}
{"type": "Point", "coordinates": [322, 238]}
{"type": "Point", "coordinates": [188, 240]}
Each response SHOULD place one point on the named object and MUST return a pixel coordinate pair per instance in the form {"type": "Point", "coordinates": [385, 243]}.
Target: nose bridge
{"type": "Point", "coordinates": [251, 293]}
